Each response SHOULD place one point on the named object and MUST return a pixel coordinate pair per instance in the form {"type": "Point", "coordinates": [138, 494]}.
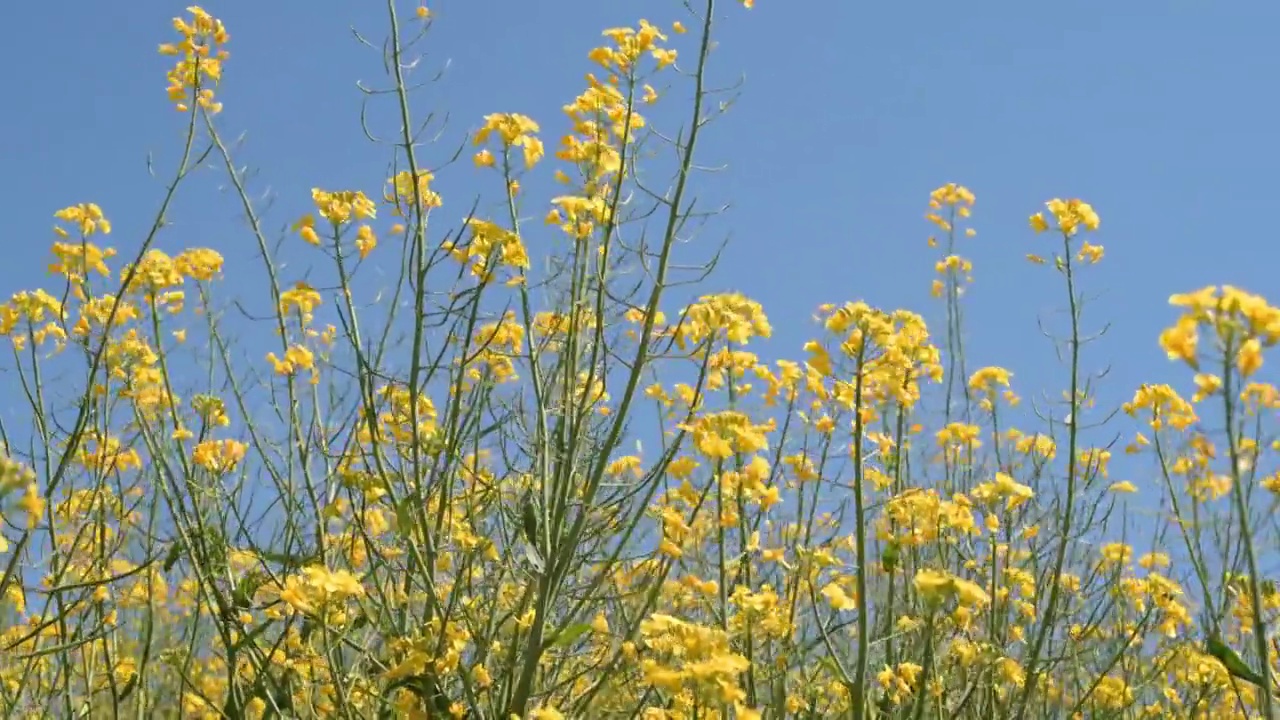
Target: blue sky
{"type": "Point", "coordinates": [851, 113]}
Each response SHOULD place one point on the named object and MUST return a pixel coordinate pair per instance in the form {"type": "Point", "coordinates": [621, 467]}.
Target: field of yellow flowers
{"type": "Point", "coordinates": [533, 490]}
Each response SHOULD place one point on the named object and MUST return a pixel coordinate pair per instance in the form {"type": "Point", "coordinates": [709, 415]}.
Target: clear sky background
{"type": "Point", "coordinates": [1161, 114]}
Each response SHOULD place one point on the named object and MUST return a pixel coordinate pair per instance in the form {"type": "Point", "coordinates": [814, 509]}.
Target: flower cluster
{"type": "Point", "coordinates": [201, 53]}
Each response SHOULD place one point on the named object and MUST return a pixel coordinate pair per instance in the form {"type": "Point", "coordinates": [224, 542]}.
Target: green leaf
{"type": "Point", "coordinates": [529, 518]}
{"type": "Point", "coordinates": [571, 633]}
{"type": "Point", "coordinates": [174, 554]}
{"type": "Point", "coordinates": [535, 559]}
{"type": "Point", "coordinates": [1234, 663]}
{"type": "Point", "coordinates": [889, 558]}
{"type": "Point", "coordinates": [404, 520]}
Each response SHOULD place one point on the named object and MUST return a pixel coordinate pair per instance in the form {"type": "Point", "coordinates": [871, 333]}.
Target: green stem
{"type": "Point", "coordinates": [1060, 556]}
{"type": "Point", "coordinates": [1242, 510]}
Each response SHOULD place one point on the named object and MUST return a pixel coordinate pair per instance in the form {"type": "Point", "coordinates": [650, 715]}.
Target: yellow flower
{"type": "Point", "coordinates": [1181, 340]}
{"type": "Point", "coordinates": [1207, 384]}
{"type": "Point", "coordinates": [218, 456]}
{"type": "Point", "coordinates": [1117, 553]}
{"type": "Point", "coordinates": [199, 263]}
{"type": "Point", "coordinates": [1249, 357]}
{"type": "Point", "coordinates": [664, 56]}
{"type": "Point", "coordinates": [1151, 560]}
{"type": "Point", "coordinates": [200, 56]}
{"type": "Point", "coordinates": [1011, 671]}
{"type": "Point", "coordinates": [340, 207]}
{"type": "Point", "coordinates": [1072, 215]}
{"type": "Point", "coordinates": [1113, 693]}
{"type": "Point", "coordinates": [971, 593]}
{"type": "Point", "coordinates": [510, 127]}
{"type": "Point", "coordinates": [366, 241]}
{"type": "Point", "coordinates": [302, 297]}
{"type": "Point", "coordinates": [1090, 253]}
{"type": "Point", "coordinates": [32, 503]}
{"type": "Point", "coordinates": [306, 228]}
{"type": "Point", "coordinates": [600, 623]}
{"type": "Point", "coordinates": [886, 677]}
{"type": "Point", "coordinates": [934, 586]}
{"type": "Point", "coordinates": [405, 192]}
{"type": "Point", "coordinates": [838, 598]}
